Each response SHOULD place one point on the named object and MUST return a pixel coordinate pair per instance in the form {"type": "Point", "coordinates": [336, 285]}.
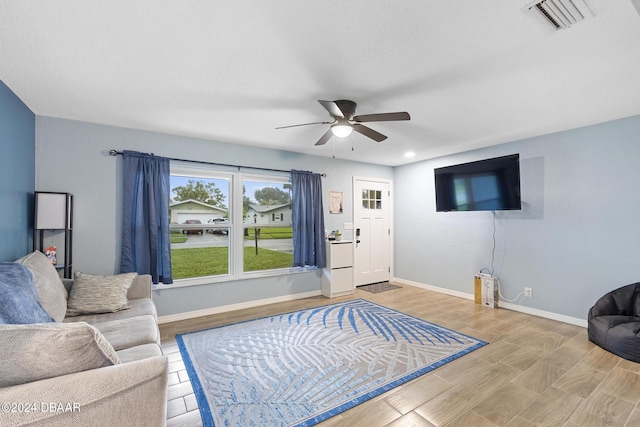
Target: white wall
{"type": "Point", "coordinates": [72, 156]}
{"type": "Point", "coordinates": [576, 238]}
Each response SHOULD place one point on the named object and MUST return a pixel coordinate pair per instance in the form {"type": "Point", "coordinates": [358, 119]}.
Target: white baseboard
{"type": "Point", "coordinates": [257, 303]}
{"type": "Point", "coordinates": [433, 288]}
{"type": "Point", "coordinates": [225, 308]}
{"type": "Point", "coordinates": [502, 304]}
{"type": "Point", "coordinates": [546, 314]}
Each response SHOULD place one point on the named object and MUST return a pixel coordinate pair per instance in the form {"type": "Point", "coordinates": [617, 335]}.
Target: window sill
{"type": "Point", "coordinates": [197, 281]}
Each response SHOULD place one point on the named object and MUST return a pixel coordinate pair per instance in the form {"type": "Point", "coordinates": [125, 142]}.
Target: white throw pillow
{"type": "Point", "coordinates": [45, 350]}
{"type": "Point", "coordinates": [99, 294]}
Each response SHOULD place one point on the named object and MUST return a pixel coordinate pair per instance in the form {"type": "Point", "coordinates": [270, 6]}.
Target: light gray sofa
{"type": "Point", "coordinates": [93, 368]}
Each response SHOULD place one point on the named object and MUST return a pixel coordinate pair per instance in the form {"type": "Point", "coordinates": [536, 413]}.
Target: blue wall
{"type": "Point", "coordinates": [17, 175]}
{"type": "Point", "coordinates": [575, 239]}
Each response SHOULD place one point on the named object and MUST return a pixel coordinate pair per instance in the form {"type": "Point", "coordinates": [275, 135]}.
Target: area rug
{"type": "Point", "coordinates": [376, 288]}
{"type": "Point", "coordinates": [303, 367]}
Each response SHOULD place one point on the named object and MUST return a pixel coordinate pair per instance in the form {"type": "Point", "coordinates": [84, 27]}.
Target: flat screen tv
{"type": "Point", "coordinates": [484, 185]}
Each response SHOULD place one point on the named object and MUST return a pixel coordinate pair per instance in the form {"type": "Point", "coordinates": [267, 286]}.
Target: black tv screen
{"type": "Point", "coordinates": [484, 185]}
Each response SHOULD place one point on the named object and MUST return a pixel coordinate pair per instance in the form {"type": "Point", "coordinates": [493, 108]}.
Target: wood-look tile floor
{"type": "Point", "coordinates": [534, 372]}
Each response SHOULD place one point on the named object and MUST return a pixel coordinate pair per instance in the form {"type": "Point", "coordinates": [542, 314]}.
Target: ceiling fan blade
{"type": "Point", "coordinates": [304, 124]}
{"type": "Point", "coordinates": [332, 108]}
{"type": "Point", "coordinates": [324, 138]}
{"type": "Point", "coordinates": [383, 117]}
{"type": "Point", "coordinates": [366, 131]}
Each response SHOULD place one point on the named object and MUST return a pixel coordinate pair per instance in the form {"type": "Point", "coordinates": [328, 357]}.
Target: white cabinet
{"type": "Point", "coordinates": [337, 277]}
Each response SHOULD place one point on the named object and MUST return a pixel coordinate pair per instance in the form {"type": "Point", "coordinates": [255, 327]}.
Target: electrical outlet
{"type": "Point", "coordinates": [527, 292]}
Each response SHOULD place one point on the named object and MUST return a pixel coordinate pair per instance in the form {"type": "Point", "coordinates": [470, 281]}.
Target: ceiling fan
{"type": "Point", "coordinates": [345, 121]}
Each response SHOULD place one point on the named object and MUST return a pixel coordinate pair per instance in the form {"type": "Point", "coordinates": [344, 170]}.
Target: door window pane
{"type": "Point", "coordinates": [372, 199]}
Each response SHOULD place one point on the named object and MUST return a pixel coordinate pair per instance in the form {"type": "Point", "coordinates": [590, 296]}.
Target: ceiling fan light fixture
{"type": "Point", "coordinates": [345, 121]}
{"type": "Point", "coordinates": [341, 130]}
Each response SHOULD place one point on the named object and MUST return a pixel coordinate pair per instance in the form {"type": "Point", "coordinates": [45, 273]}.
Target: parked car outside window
{"type": "Point", "coordinates": [219, 221]}
{"type": "Point", "coordinates": [192, 230]}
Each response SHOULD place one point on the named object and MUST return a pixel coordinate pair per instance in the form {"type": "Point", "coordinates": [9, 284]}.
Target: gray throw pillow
{"type": "Point", "coordinates": [46, 350]}
{"type": "Point", "coordinates": [99, 294]}
{"type": "Point", "coordinates": [51, 292]}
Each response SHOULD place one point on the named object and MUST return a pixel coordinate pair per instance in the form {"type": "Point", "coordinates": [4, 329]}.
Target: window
{"type": "Point", "coordinates": [225, 225]}
{"type": "Point", "coordinates": [199, 216]}
{"type": "Point", "coordinates": [371, 199]}
{"type": "Point", "coordinates": [267, 223]}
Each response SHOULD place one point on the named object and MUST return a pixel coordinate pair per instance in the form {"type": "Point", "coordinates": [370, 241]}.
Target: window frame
{"type": "Point", "coordinates": [235, 225]}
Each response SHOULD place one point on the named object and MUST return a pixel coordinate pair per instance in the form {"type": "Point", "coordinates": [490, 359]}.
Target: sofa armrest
{"type": "Point", "coordinates": [131, 394]}
{"type": "Point", "coordinates": [140, 288]}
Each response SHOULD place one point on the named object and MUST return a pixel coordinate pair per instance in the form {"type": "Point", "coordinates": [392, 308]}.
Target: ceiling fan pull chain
{"type": "Point", "coordinates": [333, 146]}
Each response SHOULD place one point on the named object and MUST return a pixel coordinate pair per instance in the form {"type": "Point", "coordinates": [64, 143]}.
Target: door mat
{"type": "Point", "coordinates": [375, 288]}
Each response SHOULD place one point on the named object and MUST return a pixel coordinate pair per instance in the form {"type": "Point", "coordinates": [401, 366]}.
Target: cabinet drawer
{"type": "Point", "coordinates": [340, 255]}
{"type": "Point", "coordinates": [342, 280]}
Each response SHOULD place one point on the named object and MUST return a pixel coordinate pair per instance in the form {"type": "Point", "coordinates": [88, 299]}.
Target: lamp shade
{"type": "Point", "coordinates": [51, 211]}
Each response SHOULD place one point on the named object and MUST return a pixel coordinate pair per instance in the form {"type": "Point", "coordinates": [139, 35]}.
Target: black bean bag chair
{"type": "Point", "coordinates": [614, 322]}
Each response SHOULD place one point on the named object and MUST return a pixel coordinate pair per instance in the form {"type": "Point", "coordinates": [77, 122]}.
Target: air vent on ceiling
{"type": "Point", "coordinates": [558, 14]}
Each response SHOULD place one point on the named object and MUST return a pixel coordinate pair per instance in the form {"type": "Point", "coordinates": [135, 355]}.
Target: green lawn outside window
{"type": "Point", "coordinates": [198, 262]}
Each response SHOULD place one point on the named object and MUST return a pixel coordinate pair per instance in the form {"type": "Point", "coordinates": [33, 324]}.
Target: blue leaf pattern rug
{"type": "Point", "coordinates": [300, 368]}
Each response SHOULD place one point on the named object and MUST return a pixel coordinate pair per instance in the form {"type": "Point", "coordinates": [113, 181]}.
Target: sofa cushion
{"type": "Point", "coordinates": [51, 292]}
{"type": "Point", "coordinates": [46, 350]}
{"type": "Point", "coordinates": [19, 302]}
{"type": "Point", "coordinates": [139, 352]}
{"type": "Point", "coordinates": [139, 307]}
{"type": "Point", "coordinates": [99, 294]}
{"type": "Point", "coordinates": [127, 333]}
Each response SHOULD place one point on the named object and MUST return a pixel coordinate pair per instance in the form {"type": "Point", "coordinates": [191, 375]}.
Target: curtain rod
{"type": "Point", "coordinates": [120, 153]}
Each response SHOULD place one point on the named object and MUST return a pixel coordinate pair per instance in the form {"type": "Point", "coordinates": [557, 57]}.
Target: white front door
{"type": "Point", "coordinates": [372, 234]}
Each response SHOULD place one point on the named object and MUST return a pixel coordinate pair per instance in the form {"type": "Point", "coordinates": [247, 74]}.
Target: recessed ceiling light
{"type": "Point", "coordinates": [409, 154]}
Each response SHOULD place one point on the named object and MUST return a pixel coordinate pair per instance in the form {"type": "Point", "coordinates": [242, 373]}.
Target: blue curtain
{"type": "Point", "coordinates": [308, 220]}
{"type": "Point", "coordinates": [145, 224]}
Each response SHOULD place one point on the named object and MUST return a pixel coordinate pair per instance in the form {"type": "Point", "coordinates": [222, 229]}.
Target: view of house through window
{"type": "Point", "coordinates": [228, 223]}
{"type": "Point", "coordinates": [267, 224]}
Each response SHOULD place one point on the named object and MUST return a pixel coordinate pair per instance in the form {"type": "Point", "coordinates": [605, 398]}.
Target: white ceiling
{"type": "Point", "coordinates": [471, 73]}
